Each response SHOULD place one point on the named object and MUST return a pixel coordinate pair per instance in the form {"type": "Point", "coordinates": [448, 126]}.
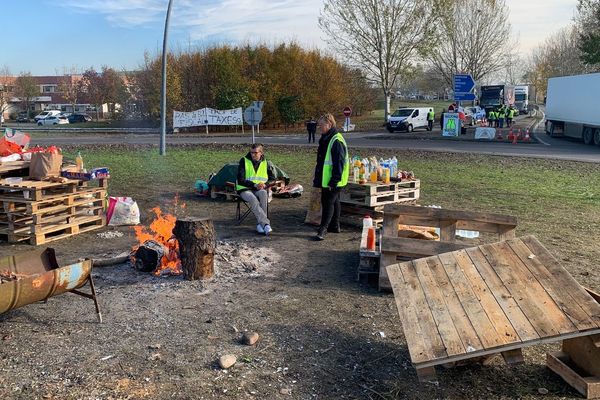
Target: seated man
{"type": "Point", "coordinates": [252, 180]}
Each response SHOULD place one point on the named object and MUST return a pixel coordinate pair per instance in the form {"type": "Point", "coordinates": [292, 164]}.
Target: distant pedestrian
{"type": "Point", "coordinates": [311, 128]}
{"type": "Point", "coordinates": [501, 116]}
{"type": "Point", "coordinates": [442, 120]}
{"type": "Point", "coordinates": [492, 118]}
{"type": "Point", "coordinates": [509, 116]}
{"type": "Point", "coordinates": [430, 119]}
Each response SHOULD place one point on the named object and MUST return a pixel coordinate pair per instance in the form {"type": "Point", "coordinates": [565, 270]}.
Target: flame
{"type": "Point", "coordinates": [161, 231]}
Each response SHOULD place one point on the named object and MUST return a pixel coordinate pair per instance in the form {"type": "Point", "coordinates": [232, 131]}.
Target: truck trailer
{"type": "Point", "coordinates": [572, 107]}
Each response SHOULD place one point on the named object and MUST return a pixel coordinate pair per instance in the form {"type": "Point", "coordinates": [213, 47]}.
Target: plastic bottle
{"type": "Point", "coordinates": [371, 238]}
{"type": "Point", "coordinates": [367, 224]}
{"type": "Point", "coordinates": [79, 162]}
{"type": "Point", "coordinates": [394, 167]}
{"type": "Point", "coordinates": [355, 174]}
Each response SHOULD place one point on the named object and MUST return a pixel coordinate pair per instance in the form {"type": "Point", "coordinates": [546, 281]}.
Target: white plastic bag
{"type": "Point", "coordinates": [123, 211]}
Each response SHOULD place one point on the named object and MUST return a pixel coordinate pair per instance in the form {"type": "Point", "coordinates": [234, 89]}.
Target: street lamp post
{"type": "Point", "coordinates": [163, 91]}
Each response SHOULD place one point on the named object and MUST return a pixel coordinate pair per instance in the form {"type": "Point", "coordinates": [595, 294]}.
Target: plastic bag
{"type": "Point", "coordinates": [313, 215]}
{"type": "Point", "coordinates": [17, 137]}
{"type": "Point", "coordinates": [7, 147]}
{"type": "Point", "coordinates": [201, 188]}
{"type": "Point", "coordinates": [122, 211]}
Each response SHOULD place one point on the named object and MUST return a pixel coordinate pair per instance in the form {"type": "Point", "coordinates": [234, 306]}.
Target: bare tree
{"type": "Point", "coordinates": [70, 86]}
{"type": "Point", "coordinates": [27, 89]}
{"type": "Point", "coordinates": [382, 37]}
{"type": "Point", "coordinates": [6, 89]}
{"type": "Point", "coordinates": [475, 38]}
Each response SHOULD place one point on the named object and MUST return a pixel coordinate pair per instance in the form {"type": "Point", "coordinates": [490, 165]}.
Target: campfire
{"type": "Point", "coordinates": [157, 250]}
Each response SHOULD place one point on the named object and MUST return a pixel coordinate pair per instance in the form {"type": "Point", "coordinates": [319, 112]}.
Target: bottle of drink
{"type": "Point", "coordinates": [367, 224]}
{"type": "Point", "coordinates": [371, 238]}
{"type": "Point", "coordinates": [355, 174]}
{"type": "Point", "coordinates": [394, 167]}
{"type": "Point", "coordinates": [79, 162]}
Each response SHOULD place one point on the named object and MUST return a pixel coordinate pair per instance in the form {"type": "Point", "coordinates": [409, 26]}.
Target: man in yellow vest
{"type": "Point", "coordinates": [430, 119]}
{"type": "Point", "coordinates": [510, 114]}
{"type": "Point", "coordinates": [253, 177]}
{"type": "Point", "coordinates": [331, 174]}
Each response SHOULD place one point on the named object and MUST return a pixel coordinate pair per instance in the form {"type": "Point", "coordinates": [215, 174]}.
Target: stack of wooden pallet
{"type": "Point", "coordinates": [43, 211]}
{"type": "Point", "coordinates": [358, 200]}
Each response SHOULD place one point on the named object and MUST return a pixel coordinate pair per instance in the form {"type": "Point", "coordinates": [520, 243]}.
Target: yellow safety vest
{"type": "Point", "coordinates": [255, 176]}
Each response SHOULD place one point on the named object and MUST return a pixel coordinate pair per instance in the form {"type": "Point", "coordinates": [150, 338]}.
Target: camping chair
{"type": "Point", "coordinates": [239, 216]}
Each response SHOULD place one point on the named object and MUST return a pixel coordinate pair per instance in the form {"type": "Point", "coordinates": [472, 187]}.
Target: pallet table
{"type": "Point", "coordinates": [485, 300]}
{"type": "Point", "coordinates": [448, 222]}
{"type": "Point", "coordinates": [14, 168]}
{"type": "Point", "coordinates": [358, 200]}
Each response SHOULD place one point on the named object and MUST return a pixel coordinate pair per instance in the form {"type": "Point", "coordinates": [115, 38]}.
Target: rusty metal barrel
{"type": "Point", "coordinates": [33, 276]}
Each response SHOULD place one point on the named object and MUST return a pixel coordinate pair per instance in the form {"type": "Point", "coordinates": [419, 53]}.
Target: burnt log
{"type": "Point", "coordinates": [197, 242]}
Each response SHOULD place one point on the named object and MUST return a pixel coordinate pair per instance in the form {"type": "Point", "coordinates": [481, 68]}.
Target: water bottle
{"type": "Point", "coordinates": [394, 167]}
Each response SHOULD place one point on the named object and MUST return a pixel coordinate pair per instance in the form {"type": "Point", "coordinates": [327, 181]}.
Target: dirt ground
{"type": "Point", "coordinates": [323, 335]}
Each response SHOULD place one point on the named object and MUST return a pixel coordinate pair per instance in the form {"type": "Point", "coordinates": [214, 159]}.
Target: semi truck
{"type": "Point", "coordinates": [494, 96]}
{"type": "Point", "coordinates": [522, 98]}
{"type": "Point", "coordinates": [572, 107]}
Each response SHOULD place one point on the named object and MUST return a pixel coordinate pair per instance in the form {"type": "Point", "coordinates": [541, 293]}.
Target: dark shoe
{"type": "Point", "coordinates": [335, 229]}
{"type": "Point", "coordinates": [320, 234]}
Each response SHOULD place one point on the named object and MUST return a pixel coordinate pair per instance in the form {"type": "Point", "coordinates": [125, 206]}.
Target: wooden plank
{"type": "Point", "coordinates": [418, 247]}
{"type": "Point", "coordinates": [440, 213]}
{"type": "Point", "coordinates": [417, 336]}
{"type": "Point", "coordinates": [563, 278]}
{"type": "Point", "coordinates": [529, 294]}
{"type": "Point", "coordinates": [390, 230]}
{"type": "Point", "coordinates": [448, 230]}
{"type": "Point", "coordinates": [558, 362]}
{"type": "Point", "coordinates": [474, 312]}
{"type": "Point", "coordinates": [584, 352]}
{"type": "Point", "coordinates": [494, 311]}
{"type": "Point", "coordinates": [435, 299]}
{"type": "Point", "coordinates": [470, 338]}
{"type": "Point", "coordinates": [523, 327]}
{"type": "Point", "coordinates": [512, 357]}
{"type": "Point", "coordinates": [555, 288]}
{"type": "Point", "coordinates": [426, 374]}
{"type": "Point", "coordinates": [506, 233]}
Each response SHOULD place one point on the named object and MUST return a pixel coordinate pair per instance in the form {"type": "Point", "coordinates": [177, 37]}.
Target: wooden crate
{"type": "Point", "coordinates": [562, 365]}
{"type": "Point", "coordinates": [396, 249]}
{"type": "Point", "coordinates": [58, 231]}
{"type": "Point", "coordinates": [379, 194]}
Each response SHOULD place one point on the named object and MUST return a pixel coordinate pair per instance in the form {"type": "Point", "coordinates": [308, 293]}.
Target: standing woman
{"type": "Point", "coordinates": [331, 174]}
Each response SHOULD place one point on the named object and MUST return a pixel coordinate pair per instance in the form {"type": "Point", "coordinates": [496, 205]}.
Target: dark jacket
{"type": "Point", "coordinates": [338, 158]}
{"type": "Point", "coordinates": [311, 126]}
{"type": "Point", "coordinates": [241, 176]}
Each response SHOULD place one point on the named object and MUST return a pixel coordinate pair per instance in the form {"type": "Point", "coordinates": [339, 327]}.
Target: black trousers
{"type": "Point", "coordinates": [330, 207]}
{"type": "Point", "coordinates": [311, 136]}
{"type": "Point", "coordinates": [430, 124]}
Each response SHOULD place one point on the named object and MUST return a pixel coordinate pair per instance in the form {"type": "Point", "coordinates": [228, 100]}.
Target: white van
{"type": "Point", "coordinates": [408, 119]}
{"type": "Point", "coordinates": [47, 113]}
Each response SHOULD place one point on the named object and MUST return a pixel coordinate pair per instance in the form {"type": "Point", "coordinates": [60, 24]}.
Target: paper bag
{"type": "Point", "coordinates": [45, 165]}
{"type": "Point", "coordinates": [313, 215]}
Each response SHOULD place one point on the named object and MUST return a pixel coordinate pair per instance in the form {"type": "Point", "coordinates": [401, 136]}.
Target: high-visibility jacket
{"type": "Point", "coordinates": [501, 114]}
{"type": "Point", "coordinates": [328, 164]}
{"type": "Point", "coordinates": [492, 116]}
{"type": "Point", "coordinates": [430, 115]}
{"type": "Point", "coordinates": [259, 175]}
{"type": "Point", "coordinates": [511, 113]}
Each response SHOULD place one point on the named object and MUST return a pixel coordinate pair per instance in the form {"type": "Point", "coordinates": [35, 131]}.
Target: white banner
{"type": "Point", "coordinates": [207, 116]}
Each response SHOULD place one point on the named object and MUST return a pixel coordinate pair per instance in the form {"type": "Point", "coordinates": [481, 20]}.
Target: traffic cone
{"type": "Point", "coordinates": [499, 135]}
{"type": "Point", "coordinates": [514, 138]}
{"type": "Point", "coordinates": [527, 138]}
{"type": "Point", "coordinates": [510, 135]}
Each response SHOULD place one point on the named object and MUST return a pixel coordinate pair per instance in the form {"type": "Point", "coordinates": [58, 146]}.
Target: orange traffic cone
{"type": "Point", "coordinates": [514, 138]}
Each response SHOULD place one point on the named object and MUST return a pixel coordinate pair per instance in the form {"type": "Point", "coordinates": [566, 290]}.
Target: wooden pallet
{"type": "Point", "coordinates": [14, 168]}
{"type": "Point", "coordinates": [52, 204]}
{"type": "Point", "coordinates": [485, 300]}
{"type": "Point", "coordinates": [352, 215]}
{"type": "Point", "coordinates": [36, 190]}
{"type": "Point", "coordinates": [396, 249]}
{"type": "Point", "coordinates": [379, 194]}
{"type": "Point", "coordinates": [51, 233]}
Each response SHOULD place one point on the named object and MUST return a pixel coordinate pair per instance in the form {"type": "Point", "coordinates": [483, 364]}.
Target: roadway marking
{"type": "Point", "coordinates": [538, 138]}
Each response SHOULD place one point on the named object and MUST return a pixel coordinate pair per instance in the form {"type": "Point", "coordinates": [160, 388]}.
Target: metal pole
{"type": "Point", "coordinates": [252, 134]}
{"type": "Point", "coordinates": [163, 92]}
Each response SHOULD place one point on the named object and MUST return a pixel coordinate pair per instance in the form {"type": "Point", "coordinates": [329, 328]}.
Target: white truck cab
{"type": "Point", "coordinates": [408, 119]}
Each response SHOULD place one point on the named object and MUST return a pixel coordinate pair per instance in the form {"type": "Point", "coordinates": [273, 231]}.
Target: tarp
{"type": "Point", "coordinates": [485, 133]}
{"type": "Point", "coordinates": [229, 174]}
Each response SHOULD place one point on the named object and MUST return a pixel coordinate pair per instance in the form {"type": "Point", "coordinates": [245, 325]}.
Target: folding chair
{"type": "Point", "coordinates": [239, 216]}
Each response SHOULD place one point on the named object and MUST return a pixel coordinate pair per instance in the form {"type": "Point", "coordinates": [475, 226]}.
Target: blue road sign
{"type": "Point", "coordinates": [463, 83]}
{"type": "Point", "coordinates": [464, 96]}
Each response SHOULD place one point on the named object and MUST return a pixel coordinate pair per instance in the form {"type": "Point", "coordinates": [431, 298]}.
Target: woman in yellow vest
{"type": "Point", "coordinates": [252, 179]}
{"type": "Point", "coordinates": [331, 174]}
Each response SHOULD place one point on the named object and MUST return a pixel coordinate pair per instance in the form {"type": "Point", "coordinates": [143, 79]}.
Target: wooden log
{"type": "Point", "coordinates": [197, 242]}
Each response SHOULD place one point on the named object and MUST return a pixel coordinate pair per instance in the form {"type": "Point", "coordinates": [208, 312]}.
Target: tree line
{"type": "Point", "coordinates": [295, 83]}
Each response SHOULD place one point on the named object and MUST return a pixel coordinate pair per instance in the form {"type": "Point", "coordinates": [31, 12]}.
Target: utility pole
{"type": "Point", "coordinates": [163, 91]}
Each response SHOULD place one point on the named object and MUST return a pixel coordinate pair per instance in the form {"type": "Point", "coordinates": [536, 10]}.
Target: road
{"type": "Point", "coordinates": [551, 148]}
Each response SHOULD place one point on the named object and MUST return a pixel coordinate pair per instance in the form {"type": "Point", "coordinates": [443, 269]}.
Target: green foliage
{"type": "Point", "coordinates": [290, 110]}
{"type": "Point", "coordinates": [590, 48]}
{"type": "Point", "coordinates": [228, 98]}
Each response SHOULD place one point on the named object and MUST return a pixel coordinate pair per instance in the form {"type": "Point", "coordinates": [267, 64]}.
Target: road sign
{"type": "Point", "coordinates": [464, 96]}
{"type": "Point", "coordinates": [252, 115]}
{"type": "Point", "coordinates": [451, 124]}
{"type": "Point", "coordinates": [463, 83]}
{"type": "Point", "coordinates": [258, 104]}
{"type": "Point", "coordinates": [347, 112]}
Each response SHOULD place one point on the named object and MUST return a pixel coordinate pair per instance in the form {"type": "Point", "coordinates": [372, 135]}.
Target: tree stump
{"type": "Point", "coordinates": [197, 242]}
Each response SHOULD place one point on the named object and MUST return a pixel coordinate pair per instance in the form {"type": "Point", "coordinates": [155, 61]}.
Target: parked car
{"type": "Point", "coordinates": [75, 118]}
{"type": "Point", "coordinates": [478, 114]}
{"type": "Point", "coordinates": [53, 120]}
{"type": "Point", "coordinates": [47, 113]}
{"type": "Point", "coordinates": [407, 119]}
{"type": "Point", "coordinates": [23, 117]}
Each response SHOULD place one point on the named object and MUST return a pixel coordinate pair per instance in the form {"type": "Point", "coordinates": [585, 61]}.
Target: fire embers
{"type": "Point", "coordinates": [158, 250]}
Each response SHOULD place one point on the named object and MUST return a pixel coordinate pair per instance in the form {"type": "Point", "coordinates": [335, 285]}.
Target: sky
{"type": "Point", "coordinates": [49, 37]}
